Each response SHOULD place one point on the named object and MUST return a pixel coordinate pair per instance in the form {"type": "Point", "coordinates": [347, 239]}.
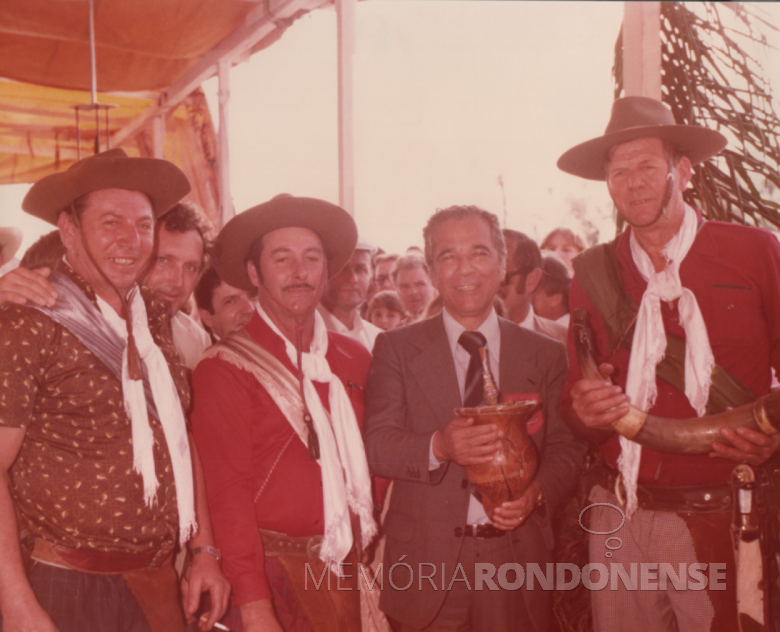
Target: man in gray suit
{"type": "Point", "coordinates": [434, 524]}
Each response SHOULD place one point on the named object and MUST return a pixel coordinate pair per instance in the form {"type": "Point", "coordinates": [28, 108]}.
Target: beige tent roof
{"type": "Point", "coordinates": [151, 56]}
{"type": "Point", "coordinates": [140, 44]}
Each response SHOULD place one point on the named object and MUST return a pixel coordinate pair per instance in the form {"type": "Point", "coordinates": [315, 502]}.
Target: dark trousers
{"type": "Point", "coordinates": [81, 602]}
{"type": "Point", "coordinates": [468, 609]}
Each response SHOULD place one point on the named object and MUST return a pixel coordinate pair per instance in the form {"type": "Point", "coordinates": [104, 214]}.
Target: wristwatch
{"type": "Point", "coordinates": [207, 549]}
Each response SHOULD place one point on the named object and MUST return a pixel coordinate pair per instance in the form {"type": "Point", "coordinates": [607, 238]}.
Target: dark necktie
{"type": "Point", "coordinates": [473, 388]}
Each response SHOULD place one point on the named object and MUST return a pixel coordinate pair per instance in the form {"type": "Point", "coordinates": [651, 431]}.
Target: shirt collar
{"type": "Point", "coordinates": [489, 328]}
{"type": "Point", "coordinates": [334, 324]}
{"type": "Point", "coordinates": [528, 322]}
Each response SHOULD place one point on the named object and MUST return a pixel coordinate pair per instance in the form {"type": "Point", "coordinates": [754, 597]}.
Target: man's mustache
{"type": "Point", "coordinates": [298, 286]}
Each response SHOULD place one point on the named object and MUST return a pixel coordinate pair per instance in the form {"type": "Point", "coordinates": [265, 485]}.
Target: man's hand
{"type": "Point", "coordinates": [466, 444]}
{"type": "Point", "coordinates": [205, 576]}
{"type": "Point", "coordinates": [749, 446]}
{"type": "Point", "coordinates": [599, 403]}
{"type": "Point", "coordinates": [22, 285]}
{"type": "Point", "coordinates": [511, 514]}
{"type": "Point", "coordinates": [258, 616]}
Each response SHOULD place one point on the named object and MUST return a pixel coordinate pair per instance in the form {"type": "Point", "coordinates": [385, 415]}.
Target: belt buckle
{"type": "Point", "coordinates": [485, 531]}
{"type": "Point", "coordinates": [313, 546]}
{"type": "Point", "coordinates": [711, 504]}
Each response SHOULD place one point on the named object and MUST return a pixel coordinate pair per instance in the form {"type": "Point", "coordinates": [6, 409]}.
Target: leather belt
{"type": "Point", "coordinates": [276, 543]}
{"type": "Point", "coordinates": [480, 531]}
{"type": "Point", "coordinates": [709, 498]}
{"type": "Point", "coordinates": [96, 562]}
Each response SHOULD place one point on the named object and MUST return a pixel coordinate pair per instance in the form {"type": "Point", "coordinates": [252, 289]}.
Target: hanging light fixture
{"type": "Point", "coordinates": [95, 106]}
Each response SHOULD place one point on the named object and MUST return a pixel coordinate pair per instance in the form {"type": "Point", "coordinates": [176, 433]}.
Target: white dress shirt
{"type": "Point", "coordinates": [492, 332]}
{"type": "Point", "coordinates": [362, 331]}
{"type": "Point", "coordinates": [528, 321]}
{"type": "Point", "coordinates": [189, 338]}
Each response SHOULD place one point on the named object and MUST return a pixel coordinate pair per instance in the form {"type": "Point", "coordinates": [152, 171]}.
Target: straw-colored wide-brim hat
{"type": "Point", "coordinates": [334, 226]}
{"type": "Point", "coordinates": [640, 117]}
{"type": "Point", "coordinates": [162, 181]}
{"type": "Point", "coordinates": [10, 240]}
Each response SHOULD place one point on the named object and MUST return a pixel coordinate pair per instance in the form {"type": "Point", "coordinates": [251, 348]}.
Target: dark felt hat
{"type": "Point", "coordinates": [162, 181]}
{"type": "Point", "coordinates": [333, 224]}
{"type": "Point", "coordinates": [640, 117]}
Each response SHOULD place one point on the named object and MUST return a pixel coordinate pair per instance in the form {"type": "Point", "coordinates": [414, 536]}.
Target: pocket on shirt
{"type": "Point", "coordinates": [357, 398]}
{"type": "Point", "coordinates": [735, 315]}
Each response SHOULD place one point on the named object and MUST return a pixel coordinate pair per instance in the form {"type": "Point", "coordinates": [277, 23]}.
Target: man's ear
{"type": "Point", "coordinates": [68, 230]}
{"type": "Point", "coordinates": [206, 318]}
{"type": "Point", "coordinates": [684, 171]}
{"type": "Point", "coordinates": [532, 280]}
{"type": "Point", "coordinates": [254, 277]}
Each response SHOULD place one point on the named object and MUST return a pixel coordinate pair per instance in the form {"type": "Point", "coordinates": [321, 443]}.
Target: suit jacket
{"type": "Point", "coordinates": [550, 328]}
{"type": "Point", "coordinates": [411, 392]}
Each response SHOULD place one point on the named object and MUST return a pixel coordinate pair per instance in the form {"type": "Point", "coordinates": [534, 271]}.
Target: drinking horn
{"type": "Point", "coordinates": [677, 436]}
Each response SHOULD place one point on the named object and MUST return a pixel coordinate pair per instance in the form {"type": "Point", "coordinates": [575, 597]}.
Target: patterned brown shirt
{"type": "Point", "coordinates": [73, 482]}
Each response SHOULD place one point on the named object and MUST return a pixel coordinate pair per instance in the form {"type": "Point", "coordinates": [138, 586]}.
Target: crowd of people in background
{"type": "Point", "coordinates": [185, 412]}
{"type": "Point", "coordinates": [375, 291]}
{"type": "Point", "coordinates": [385, 290]}
{"type": "Point", "coordinates": [398, 290]}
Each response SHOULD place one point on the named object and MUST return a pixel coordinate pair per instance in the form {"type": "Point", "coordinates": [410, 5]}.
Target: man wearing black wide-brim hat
{"type": "Point", "coordinates": [94, 445]}
{"type": "Point", "coordinates": [686, 321]}
{"type": "Point", "coordinates": [277, 415]}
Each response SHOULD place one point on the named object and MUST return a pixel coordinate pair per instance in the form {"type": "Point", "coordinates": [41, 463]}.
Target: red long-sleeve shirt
{"type": "Point", "coordinates": [240, 432]}
{"type": "Point", "coordinates": [734, 272]}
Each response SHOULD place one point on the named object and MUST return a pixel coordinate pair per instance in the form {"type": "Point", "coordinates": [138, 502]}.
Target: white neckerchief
{"type": "Point", "coordinates": [166, 399]}
{"type": "Point", "coordinates": [649, 344]}
{"type": "Point", "coordinates": [345, 478]}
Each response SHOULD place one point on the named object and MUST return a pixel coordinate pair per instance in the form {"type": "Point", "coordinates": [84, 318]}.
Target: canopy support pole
{"type": "Point", "coordinates": [345, 12]}
{"type": "Point", "coordinates": [158, 135]}
{"type": "Point", "coordinates": [93, 63]}
{"type": "Point", "coordinates": [226, 211]}
{"type": "Point", "coordinates": [642, 49]}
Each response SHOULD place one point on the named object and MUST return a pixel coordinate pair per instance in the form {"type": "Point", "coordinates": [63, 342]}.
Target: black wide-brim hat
{"type": "Point", "coordinates": [162, 181]}
{"type": "Point", "coordinates": [640, 117]}
{"type": "Point", "coordinates": [334, 226]}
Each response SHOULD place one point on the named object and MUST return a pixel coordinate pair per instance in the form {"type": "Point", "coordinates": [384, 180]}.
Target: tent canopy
{"type": "Point", "coordinates": [151, 56]}
{"type": "Point", "coordinates": [139, 44]}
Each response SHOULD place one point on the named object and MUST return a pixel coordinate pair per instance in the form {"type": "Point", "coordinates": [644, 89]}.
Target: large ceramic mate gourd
{"type": "Point", "coordinates": [514, 465]}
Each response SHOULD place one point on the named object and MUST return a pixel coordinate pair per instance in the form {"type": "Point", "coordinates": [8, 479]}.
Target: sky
{"type": "Point", "coordinates": [448, 97]}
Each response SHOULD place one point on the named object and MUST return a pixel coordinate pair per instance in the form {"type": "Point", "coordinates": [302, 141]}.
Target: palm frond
{"type": "Point", "coordinates": [709, 79]}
